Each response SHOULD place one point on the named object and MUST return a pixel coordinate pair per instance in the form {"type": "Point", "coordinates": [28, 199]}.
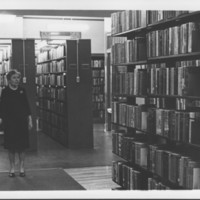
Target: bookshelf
{"type": "Point", "coordinates": [155, 100]}
{"type": "Point", "coordinates": [64, 91]}
{"type": "Point", "coordinates": [98, 98]}
{"type": "Point", "coordinates": [5, 65]}
{"type": "Point", "coordinates": [109, 41]}
{"type": "Point", "coordinates": [108, 80]}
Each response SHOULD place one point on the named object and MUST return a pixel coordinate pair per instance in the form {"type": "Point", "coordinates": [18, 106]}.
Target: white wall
{"type": "Point", "coordinates": [107, 24]}
{"type": "Point", "coordinates": [96, 34]}
{"type": "Point", "coordinates": [32, 28]}
{"type": "Point", "coordinates": [12, 29]}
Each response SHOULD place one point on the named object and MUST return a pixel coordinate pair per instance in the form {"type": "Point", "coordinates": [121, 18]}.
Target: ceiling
{"type": "Point", "coordinates": [78, 13]}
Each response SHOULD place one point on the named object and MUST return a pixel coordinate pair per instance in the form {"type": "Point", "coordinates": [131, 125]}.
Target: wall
{"type": "Point", "coordinates": [32, 28]}
{"type": "Point", "coordinates": [100, 5]}
{"type": "Point", "coordinates": [12, 29]}
{"type": "Point", "coordinates": [72, 5]}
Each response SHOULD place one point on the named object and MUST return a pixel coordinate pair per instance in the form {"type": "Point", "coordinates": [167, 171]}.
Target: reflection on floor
{"type": "Point", "coordinates": [93, 178]}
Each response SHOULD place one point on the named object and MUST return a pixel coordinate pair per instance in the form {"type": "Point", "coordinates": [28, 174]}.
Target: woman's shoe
{"type": "Point", "coordinates": [11, 174]}
{"type": "Point", "coordinates": [22, 174]}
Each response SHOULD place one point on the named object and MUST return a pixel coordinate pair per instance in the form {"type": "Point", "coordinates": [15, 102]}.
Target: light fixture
{"type": "Point", "coordinates": [51, 42]}
{"type": "Point", "coordinates": [5, 18]}
{"type": "Point", "coordinates": [71, 26]}
{"type": "Point", "coordinates": [61, 35]}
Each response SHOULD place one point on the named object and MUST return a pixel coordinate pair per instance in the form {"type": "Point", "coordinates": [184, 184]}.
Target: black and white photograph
{"type": "Point", "coordinates": [99, 99]}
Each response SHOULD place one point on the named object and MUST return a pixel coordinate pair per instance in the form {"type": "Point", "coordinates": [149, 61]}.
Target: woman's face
{"type": "Point", "coordinates": [14, 80]}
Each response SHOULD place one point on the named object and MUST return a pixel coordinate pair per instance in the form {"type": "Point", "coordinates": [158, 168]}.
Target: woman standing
{"type": "Point", "coordinates": [16, 119]}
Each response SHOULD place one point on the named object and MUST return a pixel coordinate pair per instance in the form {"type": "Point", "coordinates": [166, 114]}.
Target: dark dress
{"type": "Point", "coordinates": [14, 111]}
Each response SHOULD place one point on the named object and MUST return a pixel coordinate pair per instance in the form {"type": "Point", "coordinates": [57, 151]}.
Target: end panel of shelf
{"type": "Point", "coordinates": [17, 60]}
{"type": "Point", "coordinates": [79, 96]}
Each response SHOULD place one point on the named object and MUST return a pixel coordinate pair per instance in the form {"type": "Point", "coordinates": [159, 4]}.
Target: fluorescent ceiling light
{"type": "Point", "coordinates": [7, 18]}
{"type": "Point", "coordinates": [68, 26]}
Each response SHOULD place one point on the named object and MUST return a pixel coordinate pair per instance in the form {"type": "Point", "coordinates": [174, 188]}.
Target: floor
{"type": "Point", "coordinates": [93, 178]}
{"type": "Point", "coordinates": [91, 168]}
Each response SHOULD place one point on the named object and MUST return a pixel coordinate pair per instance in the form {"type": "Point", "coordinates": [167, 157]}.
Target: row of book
{"type": "Point", "coordinates": [98, 89]}
{"type": "Point", "coordinates": [98, 73]}
{"type": "Point", "coordinates": [174, 40]}
{"type": "Point", "coordinates": [57, 52]}
{"type": "Point", "coordinates": [127, 20]}
{"type": "Point", "coordinates": [98, 105]}
{"type": "Point", "coordinates": [128, 177]}
{"type": "Point", "coordinates": [171, 41]}
{"type": "Point", "coordinates": [121, 146]}
{"type": "Point", "coordinates": [52, 79]}
{"type": "Point", "coordinates": [54, 132]}
{"type": "Point", "coordinates": [154, 184]}
{"type": "Point", "coordinates": [129, 51]}
{"type": "Point", "coordinates": [4, 66]}
{"type": "Point", "coordinates": [178, 168]}
{"type": "Point", "coordinates": [51, 93]}
{"type": "Point", "coordinates": [175, 125]}
{"type": "Point", "coordinates": [98, 97]}
{"type": "Point", "coordinates": [97, 63]}
{"type": "Point", "coordinates": [3, 80]}
{"type": "Point", "coordinates": [129, 115]}
{"type": "Point", "coordinates": [54, 106]}
{"type": "Point", "coordinates": [53, 53]}
{"type": "Point", "coordinates": [182, 81]}
{"type": "Point", "coordinates": [98, 81]}
{"type": "Point", "coordinates": [155, 16]}
{"type": "Point", "coordinates": [130, 83]}
{"type": "Point", "coordinates": [131, 179]}
{"type": "Point", "coordinates": [53, 119]}
{"type": "Point", "coordinates": [5, 53]}
{"type": "Point", "coordinates": [188, 63]}
{"type": "Point", "coordinates": [114, 40]}
{"type": "Point", "coordinates": [174, 103]}
{"type": "Point", "coordinates": [157, 79]}
{"type": "Point", "coordinates": [133, 19]}
{"type": "Point", "coordinates": [51, 67]}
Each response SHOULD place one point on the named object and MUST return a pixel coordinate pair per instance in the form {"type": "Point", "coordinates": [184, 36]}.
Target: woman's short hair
{"type": "Point", "coordinates": [12, 72]}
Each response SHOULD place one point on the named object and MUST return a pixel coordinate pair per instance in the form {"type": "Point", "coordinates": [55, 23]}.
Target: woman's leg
{"type": "Point", "coordinates": [21, 161]}
{"type": "Point", "coordinates": [11, 155]}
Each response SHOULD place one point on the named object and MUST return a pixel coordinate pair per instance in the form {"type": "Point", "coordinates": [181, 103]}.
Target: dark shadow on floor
{"type": "Point", "coordinates": [44, 179]}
